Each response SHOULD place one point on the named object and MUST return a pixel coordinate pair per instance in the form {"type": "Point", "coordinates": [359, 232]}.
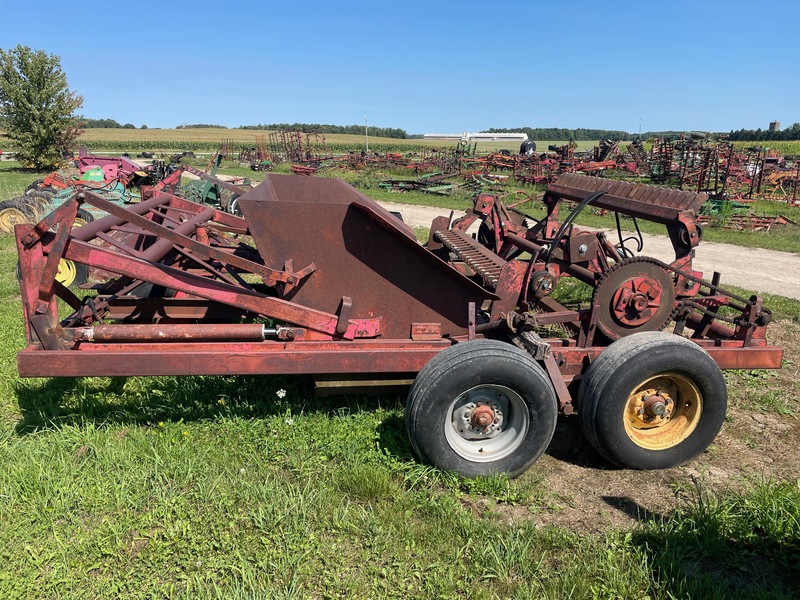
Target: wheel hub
{"type": "Point", "coordinates": [662, 412]}
{"type": "Point", "coordinates": [482, 416]}
{"type": "Point", "coordinates": [487, 422]}
{"type": "Point", "coordinates": [66, 272]}
{"type": "Point", "coordinates": [481, 419]}
{"type": "Point", "coordinates": [636, 302]}
{"type": "Point", "coordinates": [655, 408]}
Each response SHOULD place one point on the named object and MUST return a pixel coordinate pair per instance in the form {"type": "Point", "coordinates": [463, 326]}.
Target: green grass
{"type": "Point", "coordinates": [781, 306]}
{"type": "Point", "coordinates": [731, 545]}
{"type": "Point", "coordinates": [227, 487]}
{"type": "Point", "coordinates": [785, 239]}
{"type": "Point", "coordinates": [14, 179]}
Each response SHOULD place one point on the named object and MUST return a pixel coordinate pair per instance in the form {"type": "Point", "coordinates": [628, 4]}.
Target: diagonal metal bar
{"type": "Point", "coordinates": [269, 276]}
{"type": "Point", "coordinates": [217, 291]}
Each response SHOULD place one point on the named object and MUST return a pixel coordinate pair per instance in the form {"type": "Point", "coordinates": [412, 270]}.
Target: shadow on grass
{"type": "Point", "coordinates": [392, 438]}
{"type": "Point", "coordinates": [23, 171]}
{"type": "Point", "coordinates": [697, 558]}
{"type": "Point", "coordinates": [59, 402]}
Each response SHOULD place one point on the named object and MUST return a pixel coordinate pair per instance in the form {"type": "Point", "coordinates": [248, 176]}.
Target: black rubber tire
{"type": "Point", "coordinates": [84, 215]}
{"type": "Point", "coordinates": [149, 290]}
{"type": "Point", "coordinates": [16, 210]}
{"type": "Point", "coordinates": [468, 366]}
{"type": "Point", "coordinates": [35, 186]}
{"type": "Point", "coordinates": [613, 379]}
{"type": "Point", "coordinates": [22, 202]}
{"type": "Point", "coordinates": [40, 201]}
{"type": "Point", "coordinates": [43, 193]}
{"type": "Point", "coordinates": [234, 208]}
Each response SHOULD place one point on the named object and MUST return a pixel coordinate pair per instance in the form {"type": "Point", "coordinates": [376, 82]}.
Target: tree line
{"type": "Point", "coordinates": [201, 126]}
{"type": "Point", "coordinates": [582, 134]}
{"type": "Point", "coordinates": [761, 135]}
{"type": "Point", "coordinates": [560, 133]}
{"type": "Point", "coordinates": [387, 132]}
{"type": "Point", "coordinates": [105, 124]}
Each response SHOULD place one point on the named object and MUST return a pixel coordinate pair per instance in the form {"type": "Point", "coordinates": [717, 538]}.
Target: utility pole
{"type": "Point", "coordinates": [366, 133]}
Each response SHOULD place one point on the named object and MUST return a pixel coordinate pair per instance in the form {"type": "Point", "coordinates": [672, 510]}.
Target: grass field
{"type": "Point", "coordinates": [208, 139]}
{"type": "Point", "coordinates": [251, 487]}
{"type": "Point", "coordinates": [786, 239]}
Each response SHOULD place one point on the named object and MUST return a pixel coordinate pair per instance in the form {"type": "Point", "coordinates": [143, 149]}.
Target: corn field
{"type": "Point", "coordinates": [113, 145]}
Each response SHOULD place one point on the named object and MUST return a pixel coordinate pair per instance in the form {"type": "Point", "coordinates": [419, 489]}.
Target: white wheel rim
{"type": "Point", "coordinates": [500, 406]}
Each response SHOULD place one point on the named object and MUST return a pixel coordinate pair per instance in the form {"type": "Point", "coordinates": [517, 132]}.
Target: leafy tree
{"type": "Point", "coordinates": [36, 106]}
{"type": "Point", "coordinates": [759, 135]}
{"type": "Point", "coordinates": [200, 126]}
{"type": "Point", "coordinates": [94, 123]}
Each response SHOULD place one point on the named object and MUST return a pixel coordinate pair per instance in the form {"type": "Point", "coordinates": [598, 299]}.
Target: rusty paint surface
{"type": "Point", "coordinates": [228, 359]}
{"type": "Point", "coordinates": [350, 291]}
{"type": "Point", "coordinates": [360, 251]}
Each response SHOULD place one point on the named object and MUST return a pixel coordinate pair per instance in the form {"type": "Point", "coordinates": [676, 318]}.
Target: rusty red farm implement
{"type": "Point", "coordinates": [316, 278]}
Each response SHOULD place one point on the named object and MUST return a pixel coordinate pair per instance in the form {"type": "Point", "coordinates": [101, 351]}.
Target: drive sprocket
{"type": "Point", "coordinates": [634, 295]}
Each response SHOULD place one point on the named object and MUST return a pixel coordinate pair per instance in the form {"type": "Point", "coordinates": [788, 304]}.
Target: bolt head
{"type": "Point", "coordinates": [483, 417]}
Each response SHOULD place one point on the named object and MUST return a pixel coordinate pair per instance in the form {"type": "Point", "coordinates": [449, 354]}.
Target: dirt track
{"type": "Point", "coordinates": [743, 267]}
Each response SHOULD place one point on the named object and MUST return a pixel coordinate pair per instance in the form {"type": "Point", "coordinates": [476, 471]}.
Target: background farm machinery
{"type": "Point", "coordinates": [116, 178]}
{"type": "Point", "coordinates": [696, 161]}
{"type": "Point", "coordinates": [119, 179]}
{"type": "Point", "coordinates": [472, 321]}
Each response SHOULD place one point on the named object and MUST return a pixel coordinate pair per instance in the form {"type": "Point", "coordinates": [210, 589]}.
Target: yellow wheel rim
{"type": "Point", "coordinates": [78, 222]}
{"type": "Point", "coordinates": [663, 411]}
{"type": "Point", "coordinates": [11, 216]}
{"type": "Point", "coordinates": [67, 272]}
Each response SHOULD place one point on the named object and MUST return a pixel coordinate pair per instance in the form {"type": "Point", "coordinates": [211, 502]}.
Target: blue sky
{"type": "Point", "coordinates": [425, 66]}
